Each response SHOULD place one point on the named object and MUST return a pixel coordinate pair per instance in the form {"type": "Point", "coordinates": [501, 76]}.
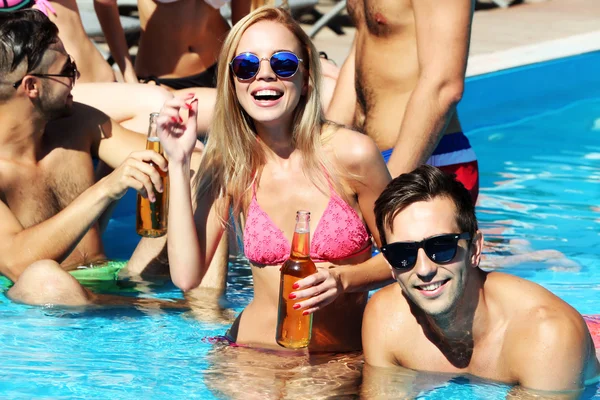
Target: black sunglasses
{"type": "Point", "coordinates": [440, 249]}
{"type": "Point", "coordinates": [69, 71]}
{"type": "Point", "coordinates": [283, 63]}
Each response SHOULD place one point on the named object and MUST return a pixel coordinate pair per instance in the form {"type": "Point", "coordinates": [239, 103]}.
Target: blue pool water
{"type": "Point", "coordinates": [536, 132]}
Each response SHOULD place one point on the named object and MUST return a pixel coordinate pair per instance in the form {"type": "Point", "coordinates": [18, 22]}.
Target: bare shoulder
{"type": "Point", "coordinates": [539, 322]}
{"type": "Point", "coordinates": [385, 298]}
{"type": "Point", "coordinates": [84, 122]}
{"type": "Point", "coordinates": [533, 298]}
{"type": "Point", "coordinates": [387, 325]}
{"type": "Point", "coordinates": [353, 150]}
{"type": "Point", "coordinates": [546, 324]}
{"type": "Point", "coordinates": [548, 347]}
{"type": "Point", "coordinates": [382, 310]}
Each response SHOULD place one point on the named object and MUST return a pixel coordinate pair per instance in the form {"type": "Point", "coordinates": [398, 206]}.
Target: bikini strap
{"type": "Point", "coordinates": [329, 183]}
{"type": "Point", "coordinates": [254, 187]}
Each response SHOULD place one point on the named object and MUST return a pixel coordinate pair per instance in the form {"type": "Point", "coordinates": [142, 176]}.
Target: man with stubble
{"type": "Point", "coordinates": [50, 202]}
{"type": "Point", "coordinates": [403, 79]}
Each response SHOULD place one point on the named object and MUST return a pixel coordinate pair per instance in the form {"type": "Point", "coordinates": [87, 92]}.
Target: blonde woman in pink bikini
{"type": "Point", "coordinates": [271, 153]}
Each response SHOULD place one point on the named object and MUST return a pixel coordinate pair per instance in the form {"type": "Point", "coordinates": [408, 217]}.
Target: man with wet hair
{"type": "Point", "coordinates": [403, 79]}
{"type": "Point", "coordinates": [448, 315]}
{"type": "Point", "coordinates": [49, 200]}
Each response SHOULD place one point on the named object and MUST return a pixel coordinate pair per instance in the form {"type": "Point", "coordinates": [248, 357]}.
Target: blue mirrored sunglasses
{"type": "Point", "coordinates": [284, 64]}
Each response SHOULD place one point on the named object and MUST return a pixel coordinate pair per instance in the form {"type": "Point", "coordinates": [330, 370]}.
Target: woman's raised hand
{"type": "Point", "coordinates": [178, 135]}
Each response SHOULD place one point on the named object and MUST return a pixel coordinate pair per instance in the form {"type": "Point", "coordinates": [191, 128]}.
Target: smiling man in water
{"type": "Point", "coordinates": [447, 315]}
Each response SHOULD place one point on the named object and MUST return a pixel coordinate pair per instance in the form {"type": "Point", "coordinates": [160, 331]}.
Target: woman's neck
{"type": "Point", "coordinates": [277, 140]}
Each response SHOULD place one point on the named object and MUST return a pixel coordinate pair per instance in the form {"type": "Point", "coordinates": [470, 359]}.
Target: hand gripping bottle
{"type": "Point", "coordinates": [151, 218]}
{"type": "Point", "coordinates": [293, 328]}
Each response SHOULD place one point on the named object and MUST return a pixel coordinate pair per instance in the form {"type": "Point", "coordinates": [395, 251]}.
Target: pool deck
{"type": "Point", "coordinates": [504, 38]}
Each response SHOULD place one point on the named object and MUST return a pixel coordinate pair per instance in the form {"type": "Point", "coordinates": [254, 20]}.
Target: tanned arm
{"type": "Point", "coordinates": [56, 237]}
{"type": "Point", "coordinates": [52, 239]}
{"type": "Point", "coordinates": [365, 162]}
{"type": "Point", "coordinates": [343, 103]}
{"type": "Point", "coordinates": [111, 142]}
{"type": "Point", "coordinates": [443, 33]}
{"type": "Point", "coordinates": [151, 255]}
{"type": "Point", "coordinates": [194, 234]}
{"type": "Point", "coordinates": [108, 15]}
{"type": "Point", "coordinates": [239, 9]}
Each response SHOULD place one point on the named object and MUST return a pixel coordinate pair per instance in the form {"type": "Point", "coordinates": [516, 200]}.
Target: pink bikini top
{"type": "Point", "coordinates": [339, 234]}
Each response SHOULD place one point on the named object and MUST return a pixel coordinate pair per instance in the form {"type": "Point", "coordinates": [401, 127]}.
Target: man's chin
{"type": "Point", "coordinates": [63, 113]}
{"type": "Point", "coordinates": [432, 307]}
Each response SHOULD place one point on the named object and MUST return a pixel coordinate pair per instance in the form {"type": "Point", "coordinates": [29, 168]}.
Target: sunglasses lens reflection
{"type": "Point", "coordinates": [401, 255]}
{"type": "Point", "coordinates": [245, 66]}
{"type": "Point", "coordinates": [284, 64]}
{"type": "Point", "coordinates": [441, 249]}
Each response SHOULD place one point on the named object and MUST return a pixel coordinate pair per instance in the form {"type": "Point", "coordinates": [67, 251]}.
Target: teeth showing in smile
{"type": "Point", "coordinates": [431, 287]}
{"type": "Point", "coordinates": [267, 94]}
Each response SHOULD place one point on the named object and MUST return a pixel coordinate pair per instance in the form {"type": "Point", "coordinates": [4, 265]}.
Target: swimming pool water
{"type": "Point", "coordinates": [540, 191]}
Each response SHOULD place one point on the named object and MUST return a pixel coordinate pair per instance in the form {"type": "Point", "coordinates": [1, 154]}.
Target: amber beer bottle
{"type": "Point", "coordinates": [293, 328]}
{"type": "Point", "coordinates": [151, 219]}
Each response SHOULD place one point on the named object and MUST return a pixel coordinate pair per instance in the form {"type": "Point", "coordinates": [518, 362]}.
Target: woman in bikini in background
{"type": "Point", "coordinates": [180, 40]}
{"type": "Point", "coordinates": [270, 153]}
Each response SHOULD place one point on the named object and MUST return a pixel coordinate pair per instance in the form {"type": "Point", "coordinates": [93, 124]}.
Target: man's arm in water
{"type": "Point", "coordinates": [443, 30]}
{"type": "Point", "coordinates": [343, 103]}
{"type": "Point", "coordinates": [57, 236]}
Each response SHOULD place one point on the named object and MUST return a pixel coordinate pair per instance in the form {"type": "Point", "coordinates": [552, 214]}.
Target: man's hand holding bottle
{"type": "Point", "coordinates": [137, 173]}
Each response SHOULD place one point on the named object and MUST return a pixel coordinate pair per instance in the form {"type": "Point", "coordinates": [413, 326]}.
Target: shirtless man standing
{"type": "Point", "coordinates": [447, 315]}
{"type": "Point", "coordinates": [403, 79]}
{"type": "Point", "coordinates": [49, 200]}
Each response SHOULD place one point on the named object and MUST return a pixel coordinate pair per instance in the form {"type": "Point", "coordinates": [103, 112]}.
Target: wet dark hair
{"type": "Point", "coordinates": [424, 184]}
{"type": "Point", "coordinates": [25, 35]}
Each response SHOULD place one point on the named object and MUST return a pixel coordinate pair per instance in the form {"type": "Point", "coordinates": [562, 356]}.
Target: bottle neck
{"type": "Point", "coordinates": [301, 245]}
{"type": "Point", "coordinates": [153, 127]}
{"type": "Point", "coordinates": [301, 239]}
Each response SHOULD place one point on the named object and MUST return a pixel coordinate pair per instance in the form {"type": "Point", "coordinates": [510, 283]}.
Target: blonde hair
{"type": "Point", "coordinates": [233, 156]}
